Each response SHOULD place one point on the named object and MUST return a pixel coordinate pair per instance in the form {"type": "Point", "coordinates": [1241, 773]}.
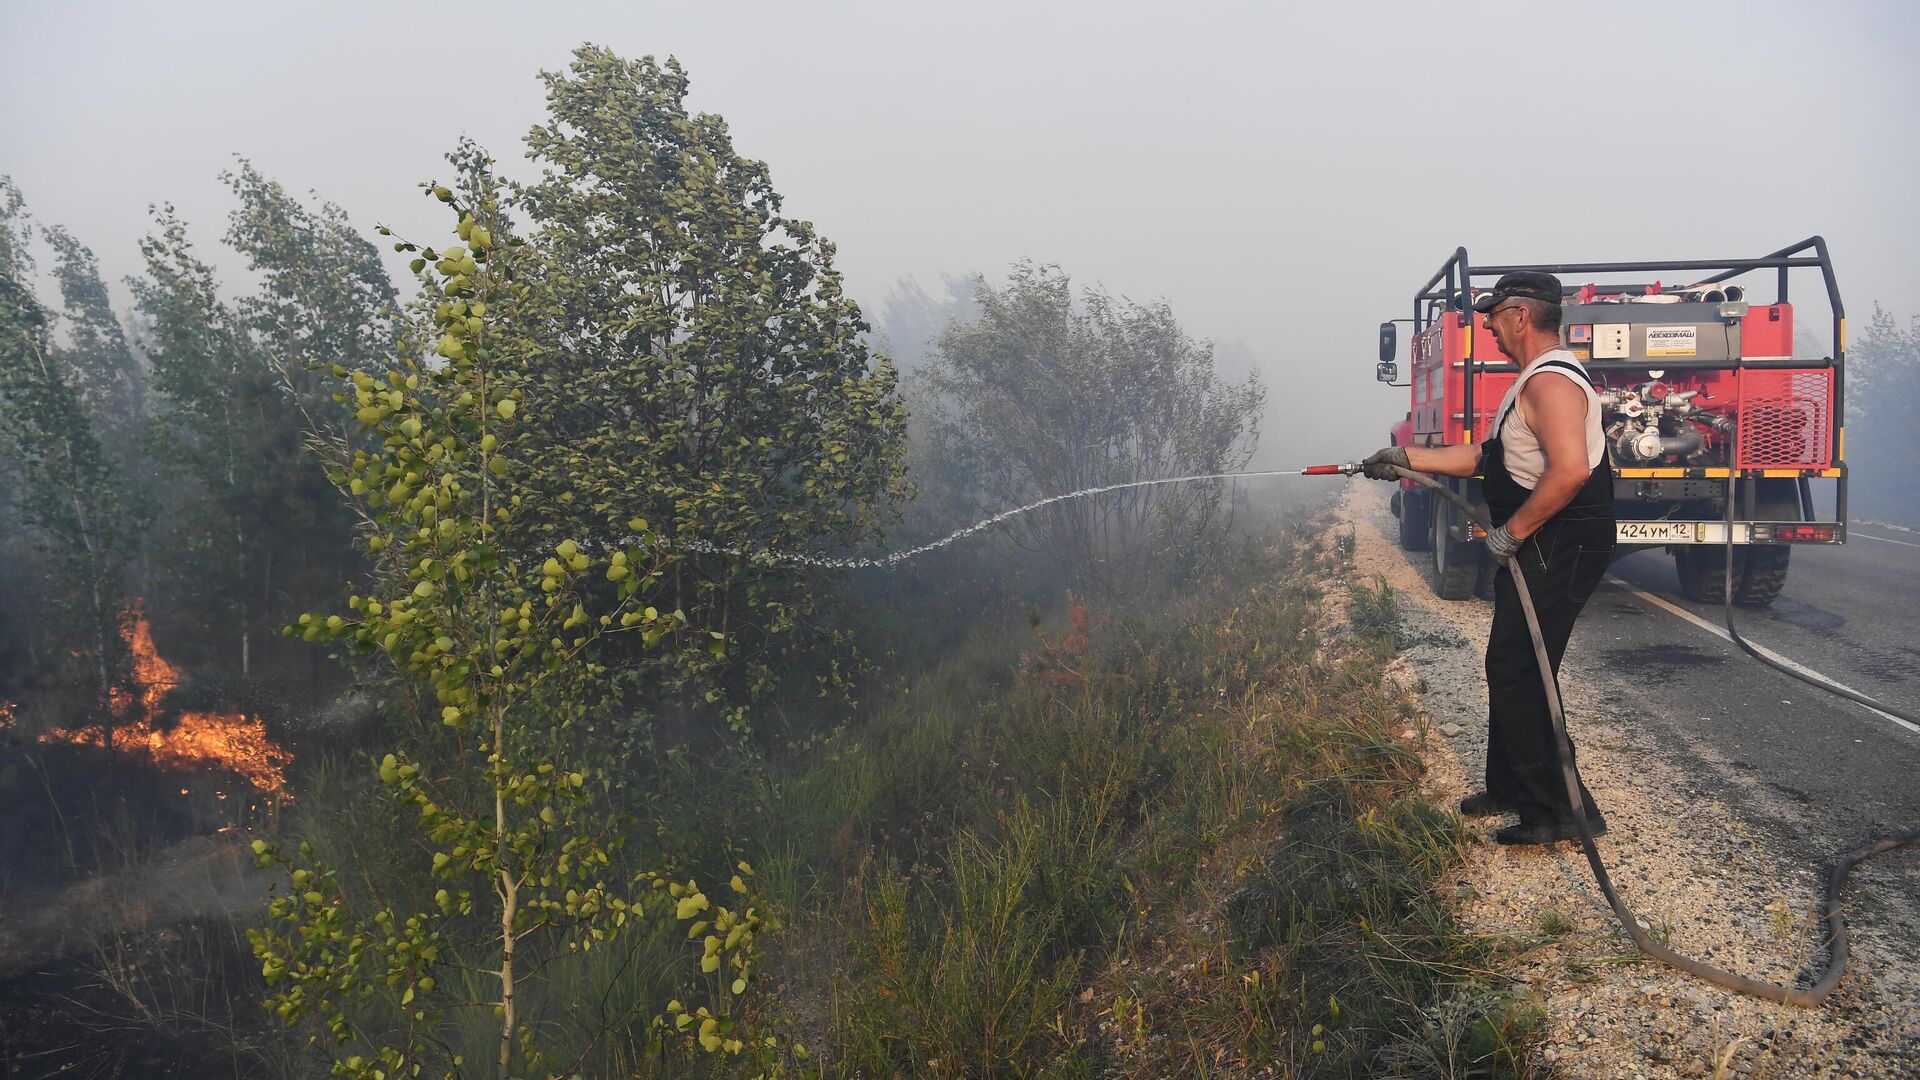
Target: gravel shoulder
{"type": "Point", "coordinates": [1739, 896]}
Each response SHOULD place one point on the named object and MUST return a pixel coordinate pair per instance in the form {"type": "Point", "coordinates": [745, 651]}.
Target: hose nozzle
{"type": "Point", "coordinates": [1345, 468]}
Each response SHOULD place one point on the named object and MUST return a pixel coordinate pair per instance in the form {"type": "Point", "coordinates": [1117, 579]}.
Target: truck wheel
{"type": "Point", "coordinates": [1766, 575]}
{"type": "Point", "coordinates": [1416, 526]}
{"type": "Point", "coordinates": [1456, 565]}
{"type": "Point", "coordinates": [1483, 588]}
{"type": "Point", "coordinates": [1703, 572]}
{"type": "Point", "coordinates": [1766, 569]}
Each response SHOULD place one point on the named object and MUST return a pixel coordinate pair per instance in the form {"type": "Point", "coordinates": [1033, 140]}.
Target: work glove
{"type": "Point", "coordinates": [1379, 465]}
{"type": "Point", "coordinates": [1503, 544]}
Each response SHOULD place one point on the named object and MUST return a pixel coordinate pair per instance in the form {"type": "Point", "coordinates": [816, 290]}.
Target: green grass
{"type": "Point", "coordinates": [1218, 768]}
{"type": "Point", "coordinates": [1373, 613]}
{"type": "Point", "coordinates": [1311, 939]}
{"type": "Point", "coordinates": [1553, 923]}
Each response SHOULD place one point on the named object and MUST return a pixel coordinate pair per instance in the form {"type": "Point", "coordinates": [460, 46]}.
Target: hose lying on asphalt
{"type": "Point", "coordinates": [1837, 869]}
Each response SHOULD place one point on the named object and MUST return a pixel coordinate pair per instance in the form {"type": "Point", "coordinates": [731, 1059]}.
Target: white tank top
{"type": "Point", "coordinates": [1524, 457]}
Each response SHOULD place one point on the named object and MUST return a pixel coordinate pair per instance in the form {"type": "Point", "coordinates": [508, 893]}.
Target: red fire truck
{"type": "Point", "coordinates": [1714, 426]}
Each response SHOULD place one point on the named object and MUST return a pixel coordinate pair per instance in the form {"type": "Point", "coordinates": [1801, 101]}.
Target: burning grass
{"type": "Point", "coordinates": [194, 741]}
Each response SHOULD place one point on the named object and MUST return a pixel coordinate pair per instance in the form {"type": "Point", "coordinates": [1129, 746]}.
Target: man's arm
{"type": "Point", "coordinates": [1460, 459]}
{"type": "Point", "coordinates": [1557, 412]}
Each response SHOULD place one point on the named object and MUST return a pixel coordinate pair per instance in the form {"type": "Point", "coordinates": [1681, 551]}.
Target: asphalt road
{"type": "Point", "coordinates": [1811, 773]}
{"type": "Point", "coordinates": [1850, 613]}
{"type": "Point", "coordinates": [1806, 774]}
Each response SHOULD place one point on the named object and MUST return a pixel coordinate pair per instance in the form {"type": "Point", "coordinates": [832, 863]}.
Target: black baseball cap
{"type": "Point", "coordinates": [1521, 285]}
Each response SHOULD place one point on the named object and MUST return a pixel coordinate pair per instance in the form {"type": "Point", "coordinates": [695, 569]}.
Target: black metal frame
{"type": "Point", "coordinates": [1458, 275]}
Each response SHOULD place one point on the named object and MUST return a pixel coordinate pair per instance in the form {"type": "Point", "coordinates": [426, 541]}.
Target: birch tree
{"type": "Point", "coordinates": [510, 803]}
{"type": "Point", "coordinates": [66, 490]}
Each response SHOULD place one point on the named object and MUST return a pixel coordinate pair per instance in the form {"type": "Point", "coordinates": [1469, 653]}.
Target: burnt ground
{"type": "Point", "coordinates": [116, 956]}
{"type": "Point", "coordinates": [62, 1018]}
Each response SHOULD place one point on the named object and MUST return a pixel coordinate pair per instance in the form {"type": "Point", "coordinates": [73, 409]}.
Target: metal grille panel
{"type": "Point", "coordinates": [1786, 420]}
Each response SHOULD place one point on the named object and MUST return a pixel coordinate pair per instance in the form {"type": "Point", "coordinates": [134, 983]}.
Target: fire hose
{"type": "Point", "coordinates": [1837, 869]}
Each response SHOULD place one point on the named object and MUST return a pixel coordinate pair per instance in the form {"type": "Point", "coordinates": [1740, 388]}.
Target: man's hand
{"type": "Point", "coordinates": [1502, 543]}
{"type": "Point", "coordinates": [1379, 465]}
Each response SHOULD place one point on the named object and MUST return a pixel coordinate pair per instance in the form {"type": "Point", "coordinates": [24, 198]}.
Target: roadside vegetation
{"type": "Point", "coordinates": [1188, 841]}
{"type": "Point", "coordinates": [468, 736]}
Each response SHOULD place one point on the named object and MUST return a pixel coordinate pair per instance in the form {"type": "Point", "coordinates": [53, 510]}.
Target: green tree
{"type": "Point", "coordinates": [705, 369]}
{"type": "Point", "coordinates": [324, 299]}
{"type": "Point", "coordinates": [508, 805]}
{"type": "Point", "coordinates": [324, 296]}
{"type": "Point", "coordinates": [66, 490]}
{"type": "Point", "coordinates": [255, 529]}
{"type": "Point", "coordinates": [248, 510]}
{"type": "Point", "coordinates": [1042, 395]}
{"type": "Point", "coordinates": [1883, 397]}
{"type": "Point", "coordinates": [105, 375]}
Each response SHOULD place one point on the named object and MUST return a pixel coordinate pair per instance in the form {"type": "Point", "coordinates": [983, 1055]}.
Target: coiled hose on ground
{"type": "Point", "coordinates": [1837, 869]}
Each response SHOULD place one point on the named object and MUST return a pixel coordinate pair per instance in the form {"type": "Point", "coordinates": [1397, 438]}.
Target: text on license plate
{"type": "Point", "coordinates": [1660, 532]}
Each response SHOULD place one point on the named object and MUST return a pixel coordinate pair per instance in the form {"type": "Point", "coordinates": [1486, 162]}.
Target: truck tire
{"type": "Point", "coordinates": [1765, 576]}
{"type": "Point", "coordinates": [1703, 572]}
{"type": "Point", "coordinates": [1759, 570]}
{"type": "Point", "coordinates": [1456, 565]}
{"type": "Point", "coordinates": [1759, 573]}
{"type": "Point", "coordinates": [1766, 570]}
{"type": "Point", "coordinates": [1488, 568]}
{"type": "Point", "coordinates": [1416, 526]}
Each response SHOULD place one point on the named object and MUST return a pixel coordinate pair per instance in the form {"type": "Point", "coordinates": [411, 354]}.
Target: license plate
{"type": "Point", "coordinates": [1656, 532]}
{"type": "Point", "coordinates": [1680, 532]}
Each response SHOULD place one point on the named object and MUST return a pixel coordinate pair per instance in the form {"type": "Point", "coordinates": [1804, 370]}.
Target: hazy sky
{"type": "Point", "coordinates": [1283, 175]}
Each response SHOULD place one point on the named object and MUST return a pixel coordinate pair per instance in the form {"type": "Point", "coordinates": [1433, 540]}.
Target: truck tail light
{"type": "Point", "coordinates": [1820, 533]}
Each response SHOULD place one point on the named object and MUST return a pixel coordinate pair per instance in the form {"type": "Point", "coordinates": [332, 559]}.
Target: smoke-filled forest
{"type": "Point", "coordinates": [498, 670]}
{"type": "Point", "coordinates": [401, 677]}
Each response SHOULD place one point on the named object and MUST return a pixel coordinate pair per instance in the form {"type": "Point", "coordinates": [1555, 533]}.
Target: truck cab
{"type": "Point", "coordinates": [1715, 429]}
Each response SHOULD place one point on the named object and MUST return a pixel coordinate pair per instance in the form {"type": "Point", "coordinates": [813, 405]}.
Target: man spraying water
{"type": "Point", "coordinates": [1549, 488]}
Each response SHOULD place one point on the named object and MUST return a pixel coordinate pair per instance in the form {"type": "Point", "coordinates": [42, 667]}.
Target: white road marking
{"type": "Point", "coordinates": [1721, 633]}
{"type": "Point", "coordinates": [1857, 534]}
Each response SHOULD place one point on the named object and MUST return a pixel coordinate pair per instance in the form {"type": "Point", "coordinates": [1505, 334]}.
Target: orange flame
{"type": "Point", "coordinates": [234, 741]}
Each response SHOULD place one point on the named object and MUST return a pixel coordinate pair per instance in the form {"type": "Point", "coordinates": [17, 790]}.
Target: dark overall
{"type": "Point", "coordinates": [1564, 562]}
